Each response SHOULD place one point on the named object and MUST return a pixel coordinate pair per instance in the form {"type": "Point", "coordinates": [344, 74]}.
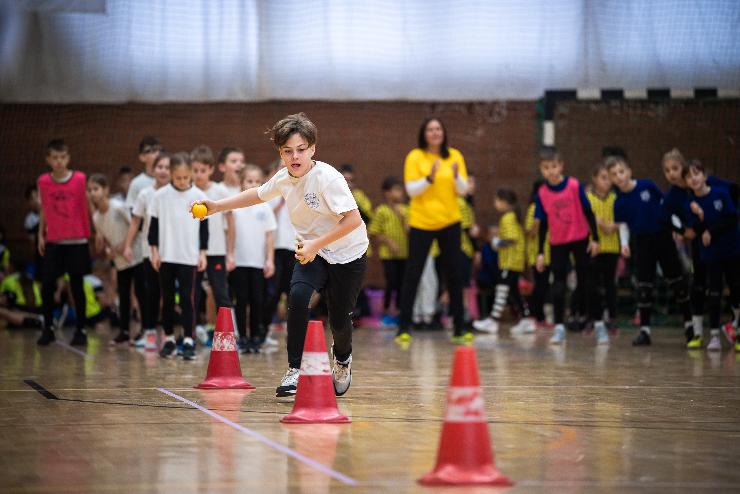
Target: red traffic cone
{"type": "Point", "coordinates": [314, 400]}
{"type": "Point", "coordinates": [465, 455]}
{"type": "Point", "coordinates": [224, 371]}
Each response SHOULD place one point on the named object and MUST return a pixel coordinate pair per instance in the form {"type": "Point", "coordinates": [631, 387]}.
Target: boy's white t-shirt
{"type": "Point", "coordinates": [285, 233]}
{"type": "Point", "coordinates": [216, 222]}
{"type": "Point", "coordinates": [315, 202]}
{"type": "Point", "coordinates": [141, 209]}
{"type": "Point", "coordinates": [138, 183]}
{"type": "Point", "coordinates": [231, 190]}
{"type": "Point", "coordinates": [179, 233]}
{"type": "Point", "coordinates": [113, 226]}
{"type": "Point", "coordinates": [252, 225]}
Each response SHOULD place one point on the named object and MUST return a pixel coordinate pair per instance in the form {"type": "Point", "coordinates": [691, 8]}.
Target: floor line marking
{"type": "Point", "coordinates": [265, 440]}
{"type": "Point", "coordinates": [74, 350]}
{"type": "Point", "coordinates": [41, 390]}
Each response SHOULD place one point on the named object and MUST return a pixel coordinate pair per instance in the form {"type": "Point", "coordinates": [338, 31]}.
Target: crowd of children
{"type": "Point", "coordinates": [245, 257]}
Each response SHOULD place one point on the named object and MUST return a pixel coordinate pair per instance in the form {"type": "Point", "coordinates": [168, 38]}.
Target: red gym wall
{"type": "Point", "coordinates": [498, 139]}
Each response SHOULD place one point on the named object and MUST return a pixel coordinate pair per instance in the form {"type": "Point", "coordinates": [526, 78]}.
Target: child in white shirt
{"type": "Point", "coordinates": [332, 242]}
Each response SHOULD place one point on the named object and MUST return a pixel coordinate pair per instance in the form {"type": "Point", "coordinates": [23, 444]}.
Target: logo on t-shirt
{"type": "Point", "coordinates": [718, 205]}
{"type": "Point", "coordinates": [645, 196]}
{"type": "Point", "coordinates": [312, 200]}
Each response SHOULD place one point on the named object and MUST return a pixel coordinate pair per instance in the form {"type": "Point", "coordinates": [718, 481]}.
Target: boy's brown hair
{"type": "Point", "coordinates": [225, 152]}
{"type": "Point", "coordinates": [549, 153]}
{"type": "Point", "coordinates": [675, 155]}
{"type": "Point", "coordinates": [249, 167]}
{"type": "Point", "coordinates": [297, 123]}
{"type": "Point", "coordinates": [98, 178]}
{"type": "Point", "coordinates": [612, 161]}
{"type": "Point", "coordinates": [202, 154]}
{"type": "Point", "coordinates": [57, 145]}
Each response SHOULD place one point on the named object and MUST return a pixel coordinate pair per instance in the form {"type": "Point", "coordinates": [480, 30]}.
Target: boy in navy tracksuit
{"type": "Point", "coordinates": [639, 205]}
{"type": "Point", "coordinates": [712, 213]}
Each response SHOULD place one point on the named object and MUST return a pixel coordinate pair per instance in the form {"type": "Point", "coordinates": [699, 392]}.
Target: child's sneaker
{"type": "Point", "coordinates": [558, 335]}
{"type": "Point", "coordinates": [201, 333]}
{"type": "Point", "coordinates": [487, 325]}
{"type": "Point", "coordinates": [341, 373]}
{"type": "Point", "coordinates": [463, 339]}
{"type": "Point", "coordinates": [139, 340]}
{"type": "Point", "coordinates": [525, 326]}
{"type": "Point", "coordinates": [601, 333]}
{"type": "Point", "coordinates": [168, 349]}
{"type": "Point", "coordinates": [403, 337]}
{"type": "Point", "coordinates": [695, 343]}
{"type": "Point", "coordinates": [47, 336]}
{"type": "Point", "coordinates": [289, 384]}
{"type": "Point", "coordinates": [79, 338]}
{"type": "Point", "coordinates": [737, 343]}
{"type": "Point", "coordinates": [188, 349]}
{"type": "Point", "coordinates": [729, 331]}
{"type": "Point", "coordinates": [642, 339]}
{"type": "Point", "coordinates": [715, 345]}
{"type": "Point", "coordinates": [122, 337]}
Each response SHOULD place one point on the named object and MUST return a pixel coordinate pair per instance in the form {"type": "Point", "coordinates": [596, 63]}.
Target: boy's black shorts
{"type": "Point", "coordinates": [67, 258]}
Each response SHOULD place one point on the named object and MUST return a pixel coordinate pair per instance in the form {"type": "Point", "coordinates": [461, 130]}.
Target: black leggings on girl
{"type": "Point", "coordinates": [729, 270]}
{"type": "Point", "coordinates": [248, 284]}
{"type": "Point", "coordinates": [125, 278]}
{"type": "Point", "coordinates": [507, 289]}
{"type": "Point", "coordinates": [184, 275]}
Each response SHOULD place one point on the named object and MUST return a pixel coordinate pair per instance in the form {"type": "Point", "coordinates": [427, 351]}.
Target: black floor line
{"type": "Point", "coordinates": [42, 390]}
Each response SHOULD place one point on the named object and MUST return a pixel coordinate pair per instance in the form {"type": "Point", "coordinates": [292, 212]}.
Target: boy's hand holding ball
{"type": "Point", "coordinates": [199, 210]}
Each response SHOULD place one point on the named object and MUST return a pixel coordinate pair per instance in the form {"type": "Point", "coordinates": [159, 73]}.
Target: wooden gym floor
{"type": "Point", "coordinates": [573, 419]}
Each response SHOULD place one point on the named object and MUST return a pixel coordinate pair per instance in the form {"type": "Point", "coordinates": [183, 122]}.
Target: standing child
{"type": "Point", "coordinates": [112, 220]}
{"type": "Point", "coordinates": [178, 250]}
{"type": "Point", "coordinates": [149, 148]}
{"type": "Point", "coordinates": [140, 220]}
{"type": "Point", "coordinates": [510, 247]}
{"type": "Point", "coordinates": [541, 278]}
{"type": "Point", "coordinates": [639, 205]}
{"type": "Point", "coordinates": [254, 254]}
{"type": "Point", "coordinates": [604, 265]}
{"type": "Point", "coordinates": [230, 163]}
{"type": "Point", "coordinates": [389, 229]}
{"type": "Point", "coordinates": [331, 246]}
{"type": "Point", "coordinates": [712, 214]}
{"type": "Point", "coordinates": [220, 255]}
{"type": "Point", "coordinates": [562, 206]}
{"type": "Point", "coordinates": [64, 230]}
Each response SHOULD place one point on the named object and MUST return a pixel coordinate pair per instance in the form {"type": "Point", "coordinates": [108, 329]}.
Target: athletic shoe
{"type": "Point", "coordinates": [188, 349]}
{"type": "Point", "coordinates": [403, 337]}
{"type": "Point", "coordinates": [558, 336]}
{"type": "Point", "coordinates": [487, 325]}
{"type": "Point", "coordinates": [270, 341]}
{"type": "Point", "coordinates": [122, 337]}
{"type": "Point", "coordinates": [79, 338]}
{"type": "Point", "coordinates": [729, 331]}
{"type": "Point", "coordinates": [602, 335]}
{"type": "Point", "coordinates": [525, 325]}
{"type": "Point", "coordinates": [715, 345]}
{"type": "Point", "coordinates": [243, 344]}
{"type": "Point", "coordinates": [168, 349]}
{"type": "Point", "coordinates": [341, 373]}
{"type": "Point", "coordinates": [47, 336]}
{"type": "Point", "coordinates": [201, 333]}
{"type": "Point", "coordinates": [139, 340]}
{"type": "Point", "coordinates": [695, 343]}
{"type": "Point", "coordinates": [737, 343]}
{"type": "Point", "coordinates": [689, 334]}
{"type": "Point", "coordinates": [463, 339]}
{"type": "Point", "coordinates": [289, 384]}
{"type": "Point", "coordinates": [178, 345]}
{"type": "Point", "coordinates": [252, 346]}
{"type": "Point", "coordinates": [642, 339]}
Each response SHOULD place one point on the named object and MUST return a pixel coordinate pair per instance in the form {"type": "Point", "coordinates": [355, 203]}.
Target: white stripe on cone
{"type": "Point", "coordinates": [465, 404]}
{"type": "Point", "coordinates": [315, 364]}
{"type": "Point", "coordinates": [223, 342]}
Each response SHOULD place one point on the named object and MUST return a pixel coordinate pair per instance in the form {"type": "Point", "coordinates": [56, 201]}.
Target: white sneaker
{"type": "Point", "coordinates": [525, 325]}
{"type": "Point", "coordinates": [289, 384]}
{"type": "Point", "coordinates": [201, 334]}
{"type": "Point", "coordinates": [270, 341]}
{"type": "Point", "coordinates": [558, 335]}
{"type": "Point", "coordinates": [602, 335]}
{"type": "Point", "coordinates": [487, 325]}
{"type": "Point", "coordinates": [714, 344]}
{"type": "Point", "coordinates": [341, 373]}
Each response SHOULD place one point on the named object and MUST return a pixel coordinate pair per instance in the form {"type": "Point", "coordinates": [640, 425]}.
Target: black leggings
{"type": "Point", "coordinates": [507, 290]}
{"type": "Point", "coordinates": [152, 298]}
{"type": "Point", "coordinates": [729, 271]}
{"type": "Point", "coordinates": [125, 278]}
{"type": "Point", "coordinates": [539, 293]}
{"type": "Point", "coordinates": [339, 284]}
{"type": "Point", "coordinates": [449, 245]}
{"type": "Point", "coordinates": [279, 283]}
{"type": "Point", "coordinates": [560, 255]}
{"type": "Point", "coordinates": [699, 279]}
{"type": "Point", "coordinates": [72, 259]}
{"type": "Point", "coordinates": [650, 250]}
{"type": "Point", "coordinates": [185, 277]}
{"type": "Point", "coordinates": [394, 270]}
{"type": "Point", "coordinates": [216, 271]}
{"type": "Point", "coordinates": [248, 285]}
{"type": "Point", "coordinates": [603, 272]}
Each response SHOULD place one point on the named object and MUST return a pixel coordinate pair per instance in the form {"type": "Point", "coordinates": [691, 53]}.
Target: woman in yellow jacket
{"type": "Point", "coordinates": [434, 176]}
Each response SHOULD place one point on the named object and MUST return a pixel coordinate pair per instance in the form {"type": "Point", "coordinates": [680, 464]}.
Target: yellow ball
{"type": "Point", "coordinates": [200, 211]}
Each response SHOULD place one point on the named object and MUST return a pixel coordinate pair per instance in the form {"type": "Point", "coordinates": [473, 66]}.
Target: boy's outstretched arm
{"type": "Point", "coordinates": [242, 200]}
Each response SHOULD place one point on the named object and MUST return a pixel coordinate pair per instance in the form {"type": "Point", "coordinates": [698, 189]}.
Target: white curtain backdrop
{"type": "Point", "coordinates": [249, 50]}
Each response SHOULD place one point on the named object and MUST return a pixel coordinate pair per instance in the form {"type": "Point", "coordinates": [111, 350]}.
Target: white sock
{"type": "Point", "coordinates": [698, 322]}
{"type": "Point", "coordinates": [645, 329]}
{"type": "Point", "coordinates": [187, 341]}
{"type": "Point", "coordinates": [714, 332]}
{"type": "Point", "coordinates": [170, 338]}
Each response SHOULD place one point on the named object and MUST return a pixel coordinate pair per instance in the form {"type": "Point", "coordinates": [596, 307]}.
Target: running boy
{"type": "Point", "coordinates": [563, 208]}
{"type": "Point", "coordinates": [639, 204]}
{"type": "Point", "coordinates": [64, 230]}
{"type": "Point", "coordinates": [331, 245]}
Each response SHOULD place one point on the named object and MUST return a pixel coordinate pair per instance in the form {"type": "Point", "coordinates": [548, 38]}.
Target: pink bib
{"type": "Point", "coordinates": [565, 217]}
{"type": "Point", "coordinates": [65, 207]}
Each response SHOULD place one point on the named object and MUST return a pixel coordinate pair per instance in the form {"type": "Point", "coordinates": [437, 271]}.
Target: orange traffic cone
{"type": "Point", "coordinates": [224, 371]}
{"type": "Point", "coordinates": [314, 400]}
{"type": "Point", "coordinates": [465, 455]}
